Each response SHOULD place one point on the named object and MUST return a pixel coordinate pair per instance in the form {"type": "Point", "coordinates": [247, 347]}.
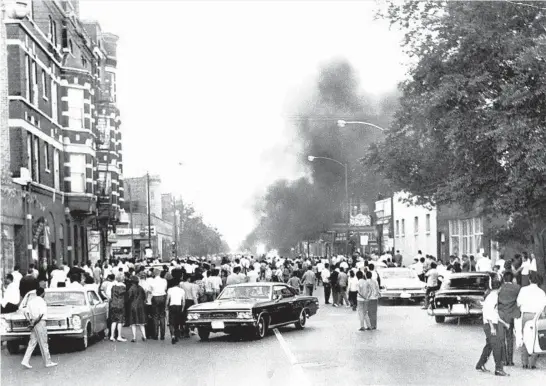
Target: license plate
{"type": "Point", "coordinates": [458, 308]}
{"type": "Point", "coordinates": [405, 295]}
{"type": "Point", "coordinates": [217, 325]}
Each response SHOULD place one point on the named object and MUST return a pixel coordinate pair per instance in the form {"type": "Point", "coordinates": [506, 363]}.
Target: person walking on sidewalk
{"type": "Point", "coordinates": [353, 289]}
{"type": "Point", "coordinates": [343, 282]}
{"type": "Point", "coordinates": [36, 313]}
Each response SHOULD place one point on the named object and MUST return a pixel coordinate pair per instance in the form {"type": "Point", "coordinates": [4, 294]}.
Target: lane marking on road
{"type": "Point", "coordinates": [300, 377]}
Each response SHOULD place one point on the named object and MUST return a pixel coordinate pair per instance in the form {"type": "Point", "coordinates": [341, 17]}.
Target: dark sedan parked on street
{"type": "Point", "coordinates": [254, 307]}
{"type": "Point", "coordinates": [461, 295]}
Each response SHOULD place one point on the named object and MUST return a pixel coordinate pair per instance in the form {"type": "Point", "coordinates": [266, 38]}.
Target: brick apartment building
{"type": "Point", "coordinates": [64, 133]}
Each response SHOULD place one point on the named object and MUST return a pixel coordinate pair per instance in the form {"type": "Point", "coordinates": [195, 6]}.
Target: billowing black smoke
{"type": "Point", "coordinates": [294, 211]}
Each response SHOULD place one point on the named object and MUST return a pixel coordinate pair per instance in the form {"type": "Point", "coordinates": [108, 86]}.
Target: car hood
{"type": "Point", "coordinates": [232, 304]}
{"type": "Point", "coordinates": [402, 283]}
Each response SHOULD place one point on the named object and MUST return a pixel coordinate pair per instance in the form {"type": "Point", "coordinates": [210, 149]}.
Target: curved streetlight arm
{"type": "Point", "coordinates": [342, 123]}
{"type": "Point", "coordinates": [312, 158]}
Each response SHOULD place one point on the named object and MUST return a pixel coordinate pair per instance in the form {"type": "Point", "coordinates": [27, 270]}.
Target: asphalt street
{"type": "Point", "coordinates": [408, 348]}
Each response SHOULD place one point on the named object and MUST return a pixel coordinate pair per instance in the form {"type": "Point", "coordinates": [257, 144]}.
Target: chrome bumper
{"type": "Point", "coordinates": [21, 334]}
{"type": "Point", "coordinates": [446, 312]}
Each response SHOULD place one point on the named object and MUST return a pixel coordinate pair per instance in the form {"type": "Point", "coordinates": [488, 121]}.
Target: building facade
{"type": "Point", "coordinates": [56, 72]}
{"type": "Point", "coordinates": [415, 228]}
{"type": "Point", "coordinates": [132, 240]}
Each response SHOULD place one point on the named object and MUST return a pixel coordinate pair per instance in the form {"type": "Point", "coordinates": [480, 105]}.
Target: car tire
{"type": "Point", "coordinates": [440, 319]}
{"type": "Point", "coordinates": [13, 347]}
{"type": "Point", "coordinates": [203, 333]}
{"type": "Point", "coordinates": [261, 328]}
{"type": "Point", "coordinates": [83, 342]}
{"type": "Point", "coordinates": [302, 320]}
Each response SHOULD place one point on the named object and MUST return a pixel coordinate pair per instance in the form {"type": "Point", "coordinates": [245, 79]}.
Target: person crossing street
{"type": "Point", "coordinates": [36, 314]}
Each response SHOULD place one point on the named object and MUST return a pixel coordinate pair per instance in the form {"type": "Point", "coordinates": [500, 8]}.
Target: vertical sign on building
{"type": "Point", "coordinates": [104, 133]}
{"type": "Point", "coordinates": [93, 238]}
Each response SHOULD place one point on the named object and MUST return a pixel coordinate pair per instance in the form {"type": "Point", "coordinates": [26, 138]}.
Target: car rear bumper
{"type": "Point", "coordinates": [447, 312]}
{"type": "Point", "coordinates": [402, 294]}
{"type": "Point", "coordinates": [25, 334]}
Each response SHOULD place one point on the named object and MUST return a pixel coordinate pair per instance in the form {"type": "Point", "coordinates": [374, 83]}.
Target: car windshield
{"type": "Point", "coordinates": [467, 283]}
{"type": "Point", "coordinates": [62, 298]}
{"type": "Point", "coordinates": [246, 292]}
{"type": "Point", "coordinates": [397, 274]}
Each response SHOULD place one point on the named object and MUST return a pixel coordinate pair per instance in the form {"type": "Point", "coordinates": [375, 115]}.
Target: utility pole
{"type": "Point", "coordinates": [175, 229]}
{"type": "Point", "coordinates": [131, 220]}
{"type": "Point", "coordinates": [149, 213]}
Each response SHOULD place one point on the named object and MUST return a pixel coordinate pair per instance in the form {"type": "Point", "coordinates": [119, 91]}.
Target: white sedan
{"type": "Point", "coordinates": [400, 283]}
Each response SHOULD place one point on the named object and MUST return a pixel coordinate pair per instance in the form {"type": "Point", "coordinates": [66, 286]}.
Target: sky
{"type": "Point", "coordinates": [203, 89]}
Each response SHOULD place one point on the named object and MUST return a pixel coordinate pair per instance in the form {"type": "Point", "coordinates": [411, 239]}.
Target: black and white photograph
{"type": "Point", "coordinates": [272, 192]}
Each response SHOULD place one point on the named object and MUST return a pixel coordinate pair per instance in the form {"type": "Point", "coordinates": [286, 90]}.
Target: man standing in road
{"type": "Point", "coordinates": [325, 277]}
{"type": "Point", "coordinates": [308, 281]}
{"type": "Point", "coordinates": [36, 313]}
{"type": "Point", "coordinates": [176, 299]}
{"type": "Point", "coordinates": [492, 326]}
{"type": "Point", "coordinates": [508, 311]}
{"type": "Point", "coordinates": [531, 300]}
{"type": "Point", "coordinates": [343, 282]}
{"type": "Point", "coordinates": [158, 287]}
{"type": "Point", "coordinates": [373, 299]}
{"type": "Point", "coordinates": [362, 300]}
{"type": "Point", "coordinates": [484, 264]}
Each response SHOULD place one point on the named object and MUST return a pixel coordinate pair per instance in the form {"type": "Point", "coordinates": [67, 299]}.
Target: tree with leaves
{"type": "Point", "coordinates": [471, 127]}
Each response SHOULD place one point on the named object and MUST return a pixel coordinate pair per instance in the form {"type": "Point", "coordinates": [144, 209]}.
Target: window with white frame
{"type": "Point", "coordinates": [77, 172]}
{"type": "Point", "coordinates": [44, 84]}
{"type": "Point", "coordinates": [56, 170]}
{"type": "Point", "coordinates": [28, 83]}
{"type": "Point", "coordinates": [34, 99]}
{"type": "Point", "coordinates": [46, 157]}
{"type": "Point", "coordinates": [454, 248]}
{"type": "Point", "coordinates": [36, 160]}
{"type": "Point", "coordinates": [427, 223]}
{"type": "Point", "coordinates": [466, 236]}
{"type": "Point", "coordinates": [54, 106]}
{"type": "Point", "coordinates": [397, 228]}
{"type": "Point", "coordinates": [29, 154]}
{"type": "Point", "coordinates": [403, 227]}
{"type": "Point", "coordinates": [416, 225]}
{"type": "Point", "coordinates": [75, 108]}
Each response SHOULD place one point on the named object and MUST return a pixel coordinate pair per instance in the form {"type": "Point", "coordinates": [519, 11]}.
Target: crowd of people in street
{"type": "Point", "coordinates": [141, 293]}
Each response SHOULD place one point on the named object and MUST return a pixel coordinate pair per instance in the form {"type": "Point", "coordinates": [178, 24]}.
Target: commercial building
{"type": "Point", "coordinates": [132, 236]}
{"type": "Point", "coordinates": [58, 79]}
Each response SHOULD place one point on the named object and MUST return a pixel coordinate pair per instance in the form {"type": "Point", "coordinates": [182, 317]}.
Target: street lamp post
{"type": "Point", "coordinates": [342, 123]}
{"type": "Point", "coordinates": [311, 159]}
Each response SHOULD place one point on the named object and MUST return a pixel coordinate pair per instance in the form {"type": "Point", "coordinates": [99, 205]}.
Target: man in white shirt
{"type": "Point", "coordinates": [531, 300]}
{"type": "Point", "coordinates": [58, 276]}
{"type": "Point", "coordinates": [159, 294]}
{"type": "Point", "coordinates": [12, 296]}
{"type": "Point", "coordinates": [325, 277]}
{"type": "Point", "coordinates": [36, 313]}
{"type": "Point", "coordinates": [492, 326]}
{"type": "Point", "coordinates": [484, 264]}
{"type": "Point", "coordinates": [75, 281]}
{"type": "Point", "coordinates": [500, 262]}
{"type": "Point", "coordinates": [252, 275]}
{"type": "Point", "coordinates": [17, 275]}
{"type": "Point", "coordinates": [176, 300]}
